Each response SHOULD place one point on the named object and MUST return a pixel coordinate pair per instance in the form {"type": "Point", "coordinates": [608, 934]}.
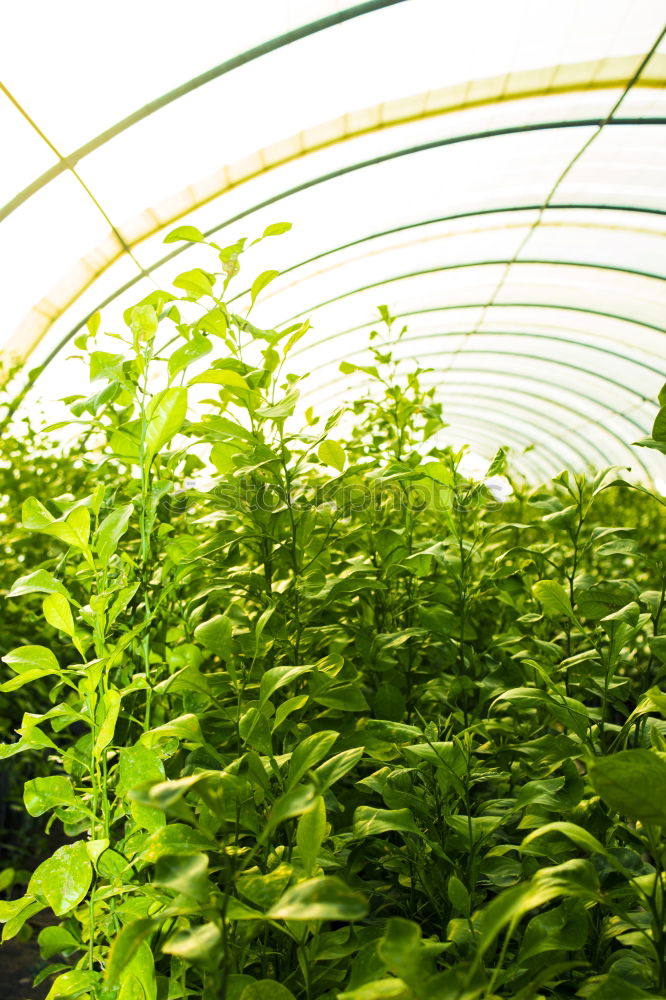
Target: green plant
{"type": "Point", "coordinates": [321, 719]}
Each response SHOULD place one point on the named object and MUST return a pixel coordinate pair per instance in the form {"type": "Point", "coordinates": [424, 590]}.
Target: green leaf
{"type": "Point", "coordinates": [216, 635]}
{"type": "Point", "coordinates": [176, 839]}
{"type": "Point", "coordinates": [165, 415]}
{"type": "Point", "coordinates": [308, 753]}
{"type": "Point", "coordinates": [58, 613]}
{"type": "Point", "coordinates": [570, 879]}
{"type": "Point", "coordinates": [563, 928]}
{"type": "Point", "coordinates": [310, 834]}
{"type": "Point", "coordinates": [580, 837]}
{"type": "Point", "coordinates": [139, 765]}
{"type": "Point", "coordinates": [459, 896]}
{"type": "Point", "coordinates": [137, 978]}
{"type": "Point", "coordinates": [40, 581]}
{"type": "Point", "coordinates": [369, 821]}
{"type": "Point", "coordinates": [400, 948]}
{"type": "Point", "coordinates": [73, 984]}
{"type": "Point", "coordinates": [199, 944]}
{"type": "Point", "coordinates": [35, 516]}
{"type": "Point", "coordinates": [343, 697]}
{"type": "Point", "coordinates": [93, 322]}
{"type": "Point", "coordinates": [107, 366]}
{"type": "Point", "coordinates": [331, 453]}
{"type": "Point", "coordinates": [255, 731]}
{"type": "Point", "coordinates": [260, 283]}
{"type": "Point", "coordinates": [332, 770]}
{"type": "Point", "coordinates": [42, 794]}
{"type": "Point", "coordinates": [64, 879]}
{"type": "Point", "coordinates": [143, 322]}
{"type": "Point", "coordinates": [111, 706]}
{"type": "Point", "coordinates": [220, 376]}
{"type": "Point", "coordinates": [194, 349]}
{"type": "Point", "coordinates": [266, 989]}
{"type": "Point", "coordinates": [184, 727]}
{"type": "Point", "coordinates": [186, 874]}
{"type": "Point", "coordinates": [280, 410]}
{"type": "Point", "coordinates": [196, 283]}
{"type": "Point", "coordinates": [276, 229]}
{"type": "Point", "coordinates": [125, 946]}
{"type": "Point", "coordinates": [111, 530]}
{"type": "Point", "coordinates": [554, 599]}
{"type": "Point", "coordinates": [14, 914]}
{"type": "Point", "coordinates": [29, 664]}
{"type": "Point", "coordinates": [188, 234]}
{"type": "Point", "coordinates": [628, 782]}
{"type": "Point", "coordinates": [278, 677]}
{"type": "Point", "coordinates": [293, 803]}
{"type": "Point", "coordinates": [326, 898]}
{"type": "Point", "coordinates": [56, 941]}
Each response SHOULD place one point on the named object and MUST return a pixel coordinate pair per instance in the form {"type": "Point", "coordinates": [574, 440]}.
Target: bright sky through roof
{"type": "Point", "coordinates": [77, 69]}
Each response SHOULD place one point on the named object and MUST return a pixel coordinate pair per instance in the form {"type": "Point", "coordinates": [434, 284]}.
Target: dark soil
{"type": "Point", "coordinates": [19, 963]}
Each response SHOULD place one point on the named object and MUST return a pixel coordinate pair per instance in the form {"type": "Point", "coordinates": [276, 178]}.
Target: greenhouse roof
{"type": "Point", "coordinates": [494, 172]}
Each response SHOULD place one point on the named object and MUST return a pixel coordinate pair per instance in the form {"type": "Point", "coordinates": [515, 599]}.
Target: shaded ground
{"type": "Point", "coordinates": [19, 961]}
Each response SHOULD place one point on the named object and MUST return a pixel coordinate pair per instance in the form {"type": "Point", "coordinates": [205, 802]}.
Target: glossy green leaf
{"type": "Point", "coordinates": [194, 349]}
{"type": "Point", "coordinates": [216, 635]}
{"type": "Point", "coordinates": [42, 794]}
{"type": "Point", "coordinates": [220, 376]}
{"type": "Point", "coordinates": [326, 898]}
{"type": "Point", "coordinates": [40, 581]}
{"type": "Point", "coordinates": [553, 598]}
{"type": "Point", "coordinates": [261, 281]}
{"type": "Point", "coordinates": [308, 753]}
{"type": "Point", "coordinates": [278, 677]}
{"type": "Point", "coordinates": [111, 707]}
{"type": "Point", "coordinates": [369, 821]}
{"type": "Point", "coordinates": [627, 781]}
{"type": "Point", "coordinates": [196, 283]}
{"type": "Point", "coordinates": [196, 945]}
{"type": "Point", "coordinates": [188, 234]}
{"type": "Point", "coordinates": [184, 873]}
{"type": "Point", "coordinates": [310, 833]}
{"type": "Point", "coordinates": [64, 879]}
{"type": "Point", "coordinates": [331, 453]}
{"type": "Point", "coordinates": [58, 613]}
{"type": "Point", "coordinates": [111, 530]}
{"type": "Point", "coordinates": [165, 415]}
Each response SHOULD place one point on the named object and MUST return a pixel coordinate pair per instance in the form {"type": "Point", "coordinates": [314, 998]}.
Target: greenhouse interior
{"type": "Point", "coordinates": [333, 489]}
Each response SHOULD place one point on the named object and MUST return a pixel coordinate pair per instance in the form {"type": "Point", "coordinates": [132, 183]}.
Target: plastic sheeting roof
{"type": "Point", "coordinates": [494, 173]}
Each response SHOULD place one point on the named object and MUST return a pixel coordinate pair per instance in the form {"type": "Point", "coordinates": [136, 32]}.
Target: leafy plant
{"type": "Point", "coordinates": [317, 714]}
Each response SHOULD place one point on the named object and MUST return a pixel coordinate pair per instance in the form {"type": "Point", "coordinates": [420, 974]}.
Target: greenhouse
{"type": "Point", "coordinates": [333, 495]}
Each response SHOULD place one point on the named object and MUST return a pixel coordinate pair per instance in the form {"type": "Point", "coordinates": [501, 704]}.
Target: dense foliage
{"type": "Point", "coordinates": [317, 714]}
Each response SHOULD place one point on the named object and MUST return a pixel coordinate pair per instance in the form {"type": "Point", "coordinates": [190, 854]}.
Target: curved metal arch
{"type": "Point", "coordinates": [635, 456]}
{"type": "Point", "coordinates": [511, 434]}
{"type": "Point", "coordinates": [250, 55]}
{"type": "Point", "coordinates": [533, 379]}
{"type": "Point", "coordinates": [479, 305]}
{"type": "Point", "coordinates": [536, 442]}
{"type": "Point", "coordinates": [526, 464]}
{"type": "Point", "coordinates": [574, 431]}
{"type": "Point", "coordinates": [615, 268]}
{"type": "Point", "coordinates": [522, 356]}
{"type": "Point", "coordinates": [522, 408]}
{"type": "Point", "coordinates": [521, 394]}
{"type": "Point", "coordinates": [456, 407]}
{"type": "Point", "coordinates": [274, 199]}
{"type": "Point", "coordinates": [534, 336]}
{"type": "Point", "coordinates": [457, 216]}
{"type": "Point", "coordinates": [519, 354]}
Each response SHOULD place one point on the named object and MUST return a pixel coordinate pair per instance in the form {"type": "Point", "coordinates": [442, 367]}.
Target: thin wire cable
{"type": "Point", "coordinates": [63, 159]}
